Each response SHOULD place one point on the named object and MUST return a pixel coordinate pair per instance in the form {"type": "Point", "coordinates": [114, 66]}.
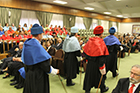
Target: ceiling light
{"type": "Point", "coordinates": [107, 12]}
{"type": "Point", "coordinates": [119, 16]}
{"type": "Point", "coordinates": [118, 0]}
{"type": "Point", "coordinates": [89, 8]}
{"type": "Point", "coordinates": [60, 2]}
{"type": "Point", "coordinates": [125, 17]}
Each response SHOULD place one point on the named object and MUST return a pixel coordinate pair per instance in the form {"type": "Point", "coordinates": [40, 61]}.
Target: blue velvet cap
{"type": "Point", "coordinates": [36, 29]}
{"type": "Point", "coordinates": [112, 30]}
{"type": "Point", "coordinates": [74, 29]}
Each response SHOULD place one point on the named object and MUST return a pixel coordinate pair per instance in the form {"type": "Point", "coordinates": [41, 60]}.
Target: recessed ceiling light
{"type": "Point", "coordinates": [60, 2]}
{"type": "Point", "coordinates": [107, 12]}
{"type": "Point", "coordinates": [118, 0]}
{"type": "Point", "coordinates": [119, 16]}
{"type": "Point", "coordinates": [89, 8]}
{"type": "Point", "coordinates": [125, 17]}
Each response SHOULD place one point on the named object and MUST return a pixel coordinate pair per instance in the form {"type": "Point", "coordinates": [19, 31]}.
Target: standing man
{"type": "Point", "coordinates": [130, 84]}
{"type": "Point", "coordinates": [113, 46]}
{"type": "Point", "coordinates": [37, 63]}
{"type": "Point", "coordinates": [72, 49]}
{"type": "Point", "coordinates": [96, 52]}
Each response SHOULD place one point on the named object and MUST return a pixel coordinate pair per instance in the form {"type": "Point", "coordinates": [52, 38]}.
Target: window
{"type": "Point", "coordinates": [57, 19]}
{"type": "Point", "coordinates": [28, 17]}
{"type": "Point", "coordinates": [79, 23]}
{"type": "Point", "coordinates": [115, 26]}
{"type": "Point", "coordinates": [94, 23]}
{"type": "Point", "coordinates": [105, 25]}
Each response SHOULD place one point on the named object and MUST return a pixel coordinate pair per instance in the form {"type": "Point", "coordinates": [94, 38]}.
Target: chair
{"type": "Point", "coordinates": [58, 61]}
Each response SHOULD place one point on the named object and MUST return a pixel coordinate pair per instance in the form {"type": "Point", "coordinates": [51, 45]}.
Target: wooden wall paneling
{"type": "Point", "coordinates": [38, 6]}
{"type": "Point", "coordinates": [128, 20]}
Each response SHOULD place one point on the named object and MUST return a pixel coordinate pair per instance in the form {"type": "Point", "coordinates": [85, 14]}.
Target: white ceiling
{"type": "Point", "coordinates": [127, 8]}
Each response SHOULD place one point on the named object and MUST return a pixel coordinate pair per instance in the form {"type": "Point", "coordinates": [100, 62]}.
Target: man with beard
{"type": "Point", "coordinates": [131, 84]}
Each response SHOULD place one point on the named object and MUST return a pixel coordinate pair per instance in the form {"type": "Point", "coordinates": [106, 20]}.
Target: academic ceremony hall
{"type": "Point", "coordinates": [56, 18]}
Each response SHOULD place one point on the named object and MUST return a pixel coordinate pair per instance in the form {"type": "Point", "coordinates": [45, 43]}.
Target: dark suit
{"type": "Point", "coordinates": [123, 85]}
{"type": "Point", "coordinates": [10, 59]}
{"type": "Point", "coordinates": [59, 46]}
{"type": "Point", "coordinates": [51, 51]}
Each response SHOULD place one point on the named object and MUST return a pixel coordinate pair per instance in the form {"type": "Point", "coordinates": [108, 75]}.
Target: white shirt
{"type": "Point", "coordinates": [135, 87]}
{"type": "Point", "coordinates": [48, 48]}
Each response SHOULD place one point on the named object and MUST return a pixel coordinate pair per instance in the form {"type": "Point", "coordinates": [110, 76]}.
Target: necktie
{"type": "Point", "coordinates": [131, 89]}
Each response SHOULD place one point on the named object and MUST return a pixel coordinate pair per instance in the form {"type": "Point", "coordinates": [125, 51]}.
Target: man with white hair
{"type": "Point", "coordinates": [131, 84]}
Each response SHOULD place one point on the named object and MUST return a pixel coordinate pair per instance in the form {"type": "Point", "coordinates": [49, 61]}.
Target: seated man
{"type": "Point", "coordinates": [131, 84]}
{"type": "Point", "coordinates": [59, 44]}
{"type": "Point", "coordinates": [11, 59]}
{"type": "Point", "coordinates": [50, 49]}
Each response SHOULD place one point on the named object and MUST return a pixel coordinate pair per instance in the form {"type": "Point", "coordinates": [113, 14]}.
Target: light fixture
{"type": "Point", "coordinates": [125, 17]}
{"type": "Point", "coordinates": [89, 8]}
{"type": "Point", "coordinates": [60, 2]}
{"type": "Point", "coordinates": [107, 12]}
{"type": "Point", "coordinates": [119, 16]}
{"type": "Point", "coordinates": [118, 0]}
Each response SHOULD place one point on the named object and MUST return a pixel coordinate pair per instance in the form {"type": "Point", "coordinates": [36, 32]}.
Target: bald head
{"type": "Point", "coordinates": [21, 45]}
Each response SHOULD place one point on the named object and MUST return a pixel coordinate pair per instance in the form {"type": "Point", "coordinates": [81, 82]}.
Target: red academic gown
{"type": "Point", "coordinates": [10, 32]}
{"type": "Point", "coordinates": [96, 52]}
{"type": "Point", "coordinates": [6, 37]}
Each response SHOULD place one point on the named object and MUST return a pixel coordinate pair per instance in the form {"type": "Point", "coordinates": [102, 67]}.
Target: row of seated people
{"type": "Point", "coordinates": [13, 64]}
{"type": "Point", "coordinates": [13, 29]}
{"type": "Point", "coordinates": [130, 43]}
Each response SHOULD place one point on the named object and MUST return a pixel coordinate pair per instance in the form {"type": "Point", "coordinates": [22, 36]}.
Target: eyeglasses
{"type": "Point", "coordinates": [134, 73]}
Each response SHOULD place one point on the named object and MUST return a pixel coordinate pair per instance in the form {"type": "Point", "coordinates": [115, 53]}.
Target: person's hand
{"type": "Point", "coordinates": [18, 59]}
{"type": "Point", "coordinates": [16, 49]}
{"type": "Point", "coordinates": [103, 71]}
{"type": "Point", "coordinates": [14, 59]}
{"type": "Point", "coordinates": [121, 48]}
{"type": "Point", "coordinates": [57, 71]}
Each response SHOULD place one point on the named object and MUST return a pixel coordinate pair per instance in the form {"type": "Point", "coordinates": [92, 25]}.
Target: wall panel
{"type": "Point", "coordinates": [38, 6]}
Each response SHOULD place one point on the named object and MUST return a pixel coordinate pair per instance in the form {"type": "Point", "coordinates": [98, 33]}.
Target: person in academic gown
{"type": "Point", "coordinates": [37, 63]}
{"type": "Point", "coordinates": [130, 84]}
{"type": "Point", "coordinates": [96, 52]}
{"type": "Point", "coordinates": [72, 49]}
{"type": "Point", "coordinates": [113, 46]}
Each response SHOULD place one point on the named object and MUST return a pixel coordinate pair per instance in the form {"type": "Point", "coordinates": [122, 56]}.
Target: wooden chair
{"type": "Point", "coordinates": [58, 61]}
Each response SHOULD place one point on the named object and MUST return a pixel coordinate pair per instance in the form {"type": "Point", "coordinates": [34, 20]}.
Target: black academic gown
{"type": "Point", "coordinates": [37, 79]}
{"type": "Point", "coordinates": [123, 85]}
{"type": "Point", "coordinates": [111, 63]}
{"type": "Point", "coordinates": [71, 67]}
{"type": "Point", "coordinates": [93, 75]}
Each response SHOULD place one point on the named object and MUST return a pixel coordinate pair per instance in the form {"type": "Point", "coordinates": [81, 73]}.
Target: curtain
{"type": "Point", "coordinates": [28, 17]}
{"type": "Point", "coordinates": [87, 22]}
{"type": "Point", "coordinates": [110, 24]}
{"type": "Point", "coordinates": [79, 23]}
{"type": "Point", "coordinates": [4, 16]}
{"type": "Point", "coordinates": [117, 24]}
{"type": "Point", "coordinates": [15, 16]}
{"type": "Point", "coordinates": [94, 23]}
{"type": "Point", "coordinates": [57, 19]}
{"type": "Point", "coordinates": [44, 17]}
{"type": "Point", "coordinates": [68, 21]}
{"type": "Point", "coordinates": [99, 22]}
